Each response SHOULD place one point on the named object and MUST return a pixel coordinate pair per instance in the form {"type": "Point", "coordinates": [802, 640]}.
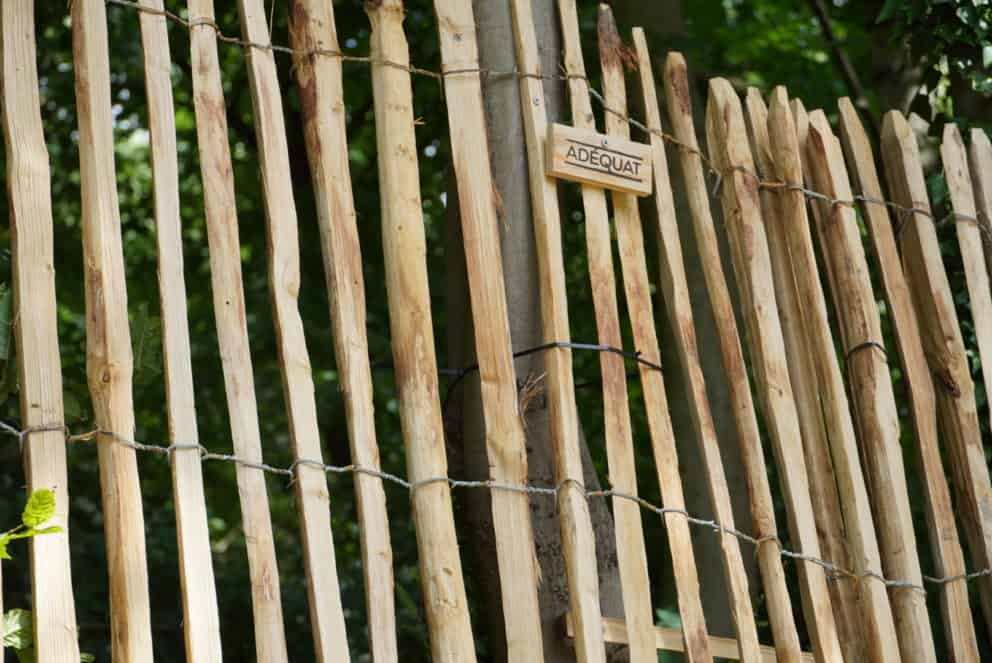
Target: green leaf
{"type": "Point", "coordinates": [86, 658]}
{"type": "Point", "coordinates": [40, 507]}
{"type": "Point", "coordinates": [25, 655]}
{"type": "Point", "coordinates": [4, 540]}
{"type": "Point", "coordinates": [17, 629]}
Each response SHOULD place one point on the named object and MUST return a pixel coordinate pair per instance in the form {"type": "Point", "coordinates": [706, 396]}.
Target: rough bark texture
{"type": "Point", "coordinates": [664, 21]}
{"type": "Point", "coordinates": [465, 423]}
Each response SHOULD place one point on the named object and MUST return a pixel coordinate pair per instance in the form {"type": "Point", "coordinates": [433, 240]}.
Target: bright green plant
{"type": "Point", "coordinates": [40, 507]}
{"type": "Point", "coordinates": [18, 631]}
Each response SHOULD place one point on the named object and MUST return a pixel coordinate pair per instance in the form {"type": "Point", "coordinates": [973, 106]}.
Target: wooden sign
{"type": "Point", "coordinates": [597, 159]}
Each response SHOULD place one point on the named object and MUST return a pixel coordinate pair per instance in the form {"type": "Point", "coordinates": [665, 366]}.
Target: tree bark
{"type": "Point", "coordinates": [466, 427]}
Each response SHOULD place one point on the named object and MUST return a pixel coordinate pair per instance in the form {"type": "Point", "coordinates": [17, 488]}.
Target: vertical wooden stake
{"type": "Point", "coordinates": [505, 441]}
{"type": "Point", "coordinates": [322, 107]}
{"type": "Point", "coordinates": [631, 554]}
{"type": "Point", "coordinates": [201, 623]}
{"type": "Point", "coordinates": [109, 362]}
{"type": "Point", "coordinates": [942, 343]}
{"type": "Point", "coordinates": [825, 504]}
{"type": "Point", "coordinates": [697, 645]}
{"type": "Point", "coordinates": [732, 355]}
{"type": "Point", "coordinates": [36, 326]}
{"type": "Point", "coordinates": [413, 339]}
{"type": "Point", "coordinates": [980, 158]}
{"type": "Point", "coordinates": [879, 626]}
{"type": "Point", "coordinates": [312, 498]}
{"type": "Point", "coordinates": [576, 525]}
{"type": "Point", "coordinates": [779, 348]}
{"type": "Point", "coordinates": [816, 448]}
{"type": "Point", "coordinates": [232, 331]}
{"type": "Point", "coordinates": [859, 321]}
{"type": "Point", "coordinates": [726, 131]}
{"type": "Point", "coordinates": [969, 233]}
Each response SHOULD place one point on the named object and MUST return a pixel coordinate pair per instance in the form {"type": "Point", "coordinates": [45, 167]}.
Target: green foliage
{"type": "Point", "coordinates": [952, 37]}
{"type": "Point", "coordinates": [40, 507]}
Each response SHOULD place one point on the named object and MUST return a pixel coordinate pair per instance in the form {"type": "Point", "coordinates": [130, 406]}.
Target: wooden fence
{"type": "Point", "coordinates": [786, 183]}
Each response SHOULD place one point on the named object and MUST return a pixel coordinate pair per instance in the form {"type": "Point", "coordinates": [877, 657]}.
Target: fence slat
{"type": "Point", "coordinates": [819, 464]}
{"type": "Point", "coordinates": [731, 352]}
{"type": "Point", "coordinates": [201, 623]}
{"type": "Point", "coordinates": [980, 158]}
{"type": "Point", "coordinates": [312, 496]}
{"type": "Point", "coordinates": [109, 361]}
{"type": "Point", "coordinates": [505, 440]}
{"type": "Point", "coordinates": [840, 426]}
{"type": "Point", "coordinates": [962, 195]}
{"type": "Point", "coordinates": [725, 127]}
{"type": "Point", "coordinates": [776, 348]}
{"type": "Point", "coordinates": [675, 289]}
{"type": "Point", "coordinates": [861, 325]}
{"type": "Point", "coordinates": [322, 107]}
{"type": "Point", "coordinates": [576, 525]}
{"type": "Point", "coordinates": [631, 553]}
{"type": "Point", "coordinates": [413, 338]}
{"type": "Point", "coordinates": [232, 331]}
{"type": "Point", "coordinates": [942, 343]}
{"type": "Point", "coordinates": [35, 326]}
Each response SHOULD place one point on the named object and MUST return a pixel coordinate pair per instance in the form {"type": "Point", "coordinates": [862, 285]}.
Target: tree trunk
{"type": "Point", "coordinates": [465, 421]}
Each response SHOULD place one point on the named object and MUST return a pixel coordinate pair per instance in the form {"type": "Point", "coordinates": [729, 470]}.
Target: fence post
{"type": "Point", "coordinates": [942, 342]}
{"type": "Point", "coordinates": [201, 623]}
{"type": "Point", "coordinates": [36, 327]}
{"type": "Point", "coordinates": [869, 374]}
{"type": "Point", "coordinates": [782, 354]}
{"type": "Point", "coordinates": [969, 232]}
{"type": "Point", "coordinates": [576, 525]}
{"type": "Point", "coordinates": [232, 331]}
{"type": "Point", "coordinates": [505, 440]}
{"type": "Point", "coordinates": [109, 360]}
{"type": "Point", "coordinates": [725, 129]}
{"type": "Point", "coordinates": [323, 111]}
{"type": "Point", "coordinates": [980, 158]}
{"type": "Point", "coordinates": [312, 496]}
{"type": "Point", "coordinates": [405, 252]}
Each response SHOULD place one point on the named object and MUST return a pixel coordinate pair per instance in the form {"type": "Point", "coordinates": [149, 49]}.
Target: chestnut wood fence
{"type": "Point", "coordinates": [789, 187]}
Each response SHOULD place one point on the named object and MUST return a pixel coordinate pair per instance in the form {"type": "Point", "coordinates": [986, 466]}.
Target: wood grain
{"type": "Point", "coordinates": [312, 495]}
{"type": "Point", "coordinates": [943, 345]}
{"type": "Point", "coordinates": [576, 525]}
{"type": "Point", "coordinates": [412, 330]}
{"type": "Point", "coordinates": [232, 331]}
{"type": "Point", "coordinates": [731, 352]}
{"type": "Point", "coordinates": [109, 362]}
{"type": "Point", "coordinates": [505, 441]}
{"type": "Point", "coordinates": [631, 553]}
{"type": "Point", "coordinates": [323, 112]}
{"type": "Point", "coordinates": [778, 342]}
{"type": "Point", "coordinates": [201, 623]}
{"type": "Point", "coordinates": [948, 556]}
{"type": "Point", "coordinates": [980, 159]}
{"type": "Point", "coordinates": [36, 326]}
{"type": "Point", "coordinates": [816, 448]}
{"type": "Point", "coordinates": [678, 307]}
